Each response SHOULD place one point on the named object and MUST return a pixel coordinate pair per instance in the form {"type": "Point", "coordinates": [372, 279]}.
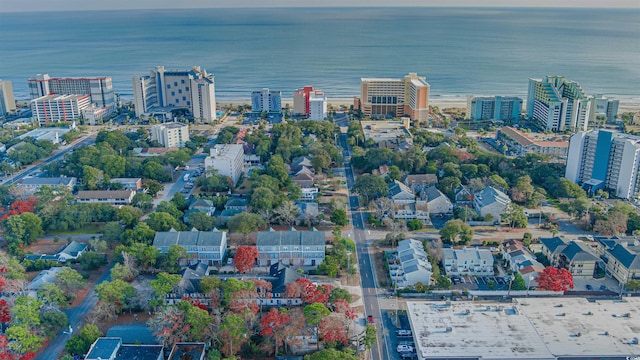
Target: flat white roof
{"type": "Point", "coordinates": [530, 328]}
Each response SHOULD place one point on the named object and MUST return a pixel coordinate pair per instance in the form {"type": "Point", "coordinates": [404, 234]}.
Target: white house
{"type": "Point", "coordinates": [491, 201]}
{"type": "Point", "coordinates": [71, 251]}
{"type": "Point", "coordinates": [467, 261]}
{"type": "Point", "coordinates": [410, 265]}
{"type": "Point", "coordinates": [437, 202]}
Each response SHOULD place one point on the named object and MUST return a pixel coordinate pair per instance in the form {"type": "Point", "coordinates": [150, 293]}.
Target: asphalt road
{"type": "Point", "coordinates": [76, 319]}
{"type": "Point", "coordinates": [368, 279]}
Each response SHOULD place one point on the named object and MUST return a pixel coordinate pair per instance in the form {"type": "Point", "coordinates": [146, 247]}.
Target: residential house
{"type": "Point", "coordinates": [405, 204]}
{"type": "Point", "coordinates": [251, 160]}
{"type": "Point", "coordinates": [296, 248]}
{"type": "Point", "coordinates": [491, 201]}
{"type": "Point", "coordinates": [305, 181]}
{"type": "Point", "coordinates": [31, 185]}
{"type": "Point", "coordinates": [209, 247]}
{"type": "Point", "coordinates": [410, 265]}
{"type": "Point", "coordinates": [307, 212]}
{"type": "Point", "coordinates": [622, 257]}
{"type": "Point", "coordinates": [227, 214]}
{"type": "Point", "coordinates": [382, 170]}
{"type": "Point", "coordinates": [280, 276]}
{"type": "Point", "coordinates": [467, 261]}
{"type": "Point", "coordinates": [519, 259]}
{"type": "Point", "coordinates": [437, 202]}
{"type": "Point", "coordinates": [134, 184]}
{"type": "Point", "coordinates": [71, 251]}
{"type": "Point", "coordinates": [309, 194]}
{"type": "Point", "coordinates": [111, 197]}
{"type": "Point", "coordinates": [424, 180]}
{"type": "Point", "coordinates": [44, 277]}
{"type": "Point", "coordinates": [191, 351]}
{"type": "Point", "coordinates": [237, 204]}
{"type": "Point", "coordinates": [112, 348]}
{"type": "Point", "coordinates": [301, 165]}
{"type": "Point", "coordinates": [463, 195]}
{"type": "Point", "coordinates": [575, 256]}
{"type": "Point", "coordinates": [200, 206]}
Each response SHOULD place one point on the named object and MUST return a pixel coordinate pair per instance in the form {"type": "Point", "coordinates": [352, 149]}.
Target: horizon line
{"type": "Point", "coordinates": [325, 7]}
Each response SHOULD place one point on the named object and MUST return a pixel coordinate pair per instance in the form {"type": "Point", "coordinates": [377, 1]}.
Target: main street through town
{"type": "Point", "coordinates": [370, 291]}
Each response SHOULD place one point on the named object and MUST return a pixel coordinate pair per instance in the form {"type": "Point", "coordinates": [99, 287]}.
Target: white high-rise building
{"type": "Point", "coordinates": [266, 100]}
{"type": "Point", "coordinates": [7, 100]}
{"type": "Point", "coordinates": [317, 105]}
{"type": "Point", "coordinates": [557, 104]}
{"type": "Point", "coordinates": [383, 97]}
{"type": "Point", "coordinates": [99, 89]}
{"type": "Point", "coordinates": [193, 90]}
{"type": "Point", "coordinates": [173, 134]}
{"type": "Point", "coordinates": [603, 107]}
{"type": "Point", "coordinates": [55, 108]}
{"type": "Point", "coordinates": [601, 159]}
{"type": "Point", "coordinates": [227, 159]}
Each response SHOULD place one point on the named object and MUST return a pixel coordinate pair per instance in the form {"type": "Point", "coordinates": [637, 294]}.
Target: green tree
{"type": "Point", "coordinates": [201, 221]}
{"type": "Point", "coordinates": [514, 216]}
{"type": "Point", "coordinates": [116, 292]}
{"type": "Point", "coordinates": [32, 227]}
{"type": "Point", "coordinates": [111, 232]}
{"type": "Point", "coordinates": [90, 260]}
{"type": "Point", "coordinates": [371, 187]}
{"type": "Point", "coordinates": [14, 234]}
{"type": "Point", "coordinates": [162, 286]}
{"type": "Point", "coordinates": [69, 281]}
{"type": "Point", "coordinates": [339, 293]}
{"type": "Point", "coordinates": [142, 201]}
{"type": "Point", "coordinates": [80, 343]}
{"type": "Point", "coordinates": [22, 339]}
{"type": "Point", "coordinates": [162, 221]}
{"type": "Point", "coordinates": [567, 188]}
{"type": "Point", "coordinates": [277, 169]}
{"type": "Point", "coordinates": [142, 233]}
{"type": "Point", "coordinates": [455, 231]}
{"type": "Point", "coordinates": [313, 313]}
{"type": "Point", "coordinates": [170, 208]}
{"type": "Point", "coordinates": [92, 177]}
{"type": "Point", "coordinates": [262, 199]}
{"type": "Point", "coordinates": [234, 327]}
{"type": "Point", "coordinates": [53, 321]}
{"type": "Point", "coordinates": [339, 217]}
{"type": "Point", "coordinates": [332, 354]}
{"type": "Point", "coordinates": [121, 272]}
{"type": "Point", "coordinates": [171, 260]}
{"type": "Point", "coordinates": [51, 293]}
{"type": "Point", "coordinates": [246, 223]}
{"type": "Point", "coordinates": [128, 216]}
{"type": "Point", "coordinates": [518, 283]}
{"type": "Point", "coordinates": [414, 224]}
{"type": "Point", "coordinates": [370, 336]}
{"type": "Point", "coordinates": [153, 187]}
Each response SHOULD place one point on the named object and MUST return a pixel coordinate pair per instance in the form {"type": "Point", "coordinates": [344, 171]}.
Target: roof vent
{"type": "Point", "coordinates": [450, 329]}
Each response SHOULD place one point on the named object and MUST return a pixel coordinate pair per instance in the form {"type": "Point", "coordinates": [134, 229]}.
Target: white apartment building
{"type": "Point", "coordinates": [467, 261]}
{"type": "Point", "coordinates": [317, 105]}
{"type": "Point", "coordinates": [99, 89]}
{"type": "Point", "coordinates": [382, 97]}
{"type": "Point", "coordinates": [193, 90]}
{"type": "Point", "coordinates": [7, 99]}
{"type": "Point", "coordinates": [557, 104]}
{"type": "Point", "coordinates": [266, 100]}
{"type": "Point", "coordinates": [603, 106]}
{"type": "Point", "coordinates": [494, 108]}
{"type": "Point", "coordinates": [600, 159]}
{"type": "Point", "coordinates": [111, 197]}
{"type": "Point", "coordinates": [56, 108]}
{"type": "Point", "coordinates": [227, 159]}
{"type": "Point", "coordinates": [173, 134]}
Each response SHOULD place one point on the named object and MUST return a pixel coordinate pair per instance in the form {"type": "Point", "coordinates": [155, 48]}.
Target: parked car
{"type": "Point", "coordinates": [403, 332]}
{"type": "Point", "coordinates": [370, 320]}
{"type": "Point", "coordinates": [589, 287]}
{"type": "Point", "coordinates": [404, 348]}
{"type": "Point", "coordinates": [603, 288]}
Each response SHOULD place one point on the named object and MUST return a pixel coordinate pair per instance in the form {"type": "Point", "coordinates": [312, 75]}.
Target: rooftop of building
{"type": "Point", "coordinates": [51, 134]}
{"type": "Point", "coordinates": [125, 180]}
{"type": "Point", "coordinates": [53, 181]}
{"type": "Point", "coordinates": [104, 348]}
{"type": "Point", "coordinates": [104, 194]}
{"type": "Point", "coordinates": [290, 238]}
{"type": "Point", "coordinates": [140, 352]}
{"type": "Point", "coordinates": [226, 150]}
{"type": "Point", "coordinates": [490, 195]}
{"type": "Point", "coordinates": [192, 351]}
{"type": "Point", "coordinates": [525, 140]}
{"type": "Point", "coordinates": [173, 125]}
{"type": "Point", "coordinates": [471, 253]}
{"type": "Point", "coordinates": [61, 97]}
{"type": "Point", "coordinates": [532, 328]}
{"type": "Point", "coordinates": [189, 238]}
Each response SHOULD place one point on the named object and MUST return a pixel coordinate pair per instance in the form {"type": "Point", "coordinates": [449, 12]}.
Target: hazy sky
{"type": "Point", "coordinates": [63, 5]}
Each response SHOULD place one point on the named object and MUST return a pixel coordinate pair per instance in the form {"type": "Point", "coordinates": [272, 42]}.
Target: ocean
{"type": "Point", "coordinates": [461, 51]}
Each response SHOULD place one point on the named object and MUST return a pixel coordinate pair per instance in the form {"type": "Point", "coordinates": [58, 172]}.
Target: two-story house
{"type": "Point", "coordinates": [467, 261]}
{"type": "Point", "coordinates": [111, 197]}
{"type": "Point", "coordinates": [296, 248]}
{"type": "Point", "coordinates": [410, 265]}
{"type": "Point", "coordinates": [575, 256]}
{"type": "Point", "coordinates": [209, 247]}
{"type": "Point", "coordinates": [405, 204]}
{"type": "Point", "coordinates": [491, 201]}
{"type": "Point", "coordinates": [519, 259]}
{"type": "Point", "coordinates": [622, 257]}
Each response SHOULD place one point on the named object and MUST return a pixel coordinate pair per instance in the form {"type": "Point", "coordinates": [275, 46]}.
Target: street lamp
{"type": "Point", "coordinates": [511, 277]}
{"type": "Point", "coordinates": [622, 284]}
{"type": "Point", "coordinates": [529, 283]}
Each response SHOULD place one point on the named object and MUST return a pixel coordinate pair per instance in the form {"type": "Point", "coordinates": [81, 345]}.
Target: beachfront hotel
{"type": "Point", "coordinates": [494, 108]}
{"type": "Point", "coordinates": [99, 89]}
{"type": "Point", "coordinates": [395, 97]}
{"type": "Point", "coordinates": [266, 100]}
{"type": "Point", "coordinates": [164, 90]}
{"type": "Point", "coordinates": [557, 104]}
{"type": "Point", "coordinates": [317, 105]}
{"type": "Point", "coordinates": [7, 100]}
{"type": "Point", "coordinates": [601, 159]}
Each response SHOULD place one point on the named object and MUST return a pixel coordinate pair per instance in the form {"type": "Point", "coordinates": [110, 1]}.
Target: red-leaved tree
{"type": "Point", "coordinates": [332, 329]}
{"type": "Point", "coordinates": [245, 258]}
{"type": "Point", "coordinates": [20, 207]}
{"type": "Point", "coordinates": [196, 303]}
{"type": "Point", "coordinates": [555, 279]}
{"type": "Point", "coordinates": [7, 354]}
{"type": "Point", "coordinates": [307, 291]}
{"type": "Point", "coordinates": [273, 324]}
{"type": "Point", "coordinates": [5, 315]}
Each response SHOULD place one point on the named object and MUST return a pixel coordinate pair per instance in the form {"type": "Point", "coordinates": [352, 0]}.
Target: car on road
{"type": "Point", "coordinates": [408, 355]}
{"type": "Point", "coordinates": [370, 320]}
{"type": "Point", "coordinates": [603, 288]}
{"type": "Point", "coordinates": [403, 332]}
{"type": "Point", "coordinates": [404, 348]}
{"type": "Point", "coordinates": [589, 287]}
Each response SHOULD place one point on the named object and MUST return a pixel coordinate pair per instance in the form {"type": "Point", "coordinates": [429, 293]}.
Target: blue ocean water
{"type": "Point", "coordinates": [460, 51]}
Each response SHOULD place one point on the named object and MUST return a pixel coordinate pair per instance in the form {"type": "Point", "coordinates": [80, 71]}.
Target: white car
{"type": "Point", "coordinates": [404, 348]}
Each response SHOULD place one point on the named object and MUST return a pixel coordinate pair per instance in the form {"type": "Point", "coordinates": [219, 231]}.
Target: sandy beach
{"type": "Point", "coordinates": [626, 105]}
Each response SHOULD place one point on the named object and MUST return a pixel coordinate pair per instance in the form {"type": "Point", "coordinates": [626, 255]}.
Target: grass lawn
{"type": "Point", "coordinates": [91, 229]}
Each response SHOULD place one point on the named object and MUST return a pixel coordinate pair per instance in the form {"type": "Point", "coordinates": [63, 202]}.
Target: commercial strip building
{"type": "Point", "coordinates": [494, 108]}
{"type": "Point", "coordinates": [532, 328]}
{"type": "Point", "coordinates": [227, 160]}
{"type": "Point", "coordinates": [173, 134]}
{"type": "Point", "coordinates": [52, 134]}
{"type": "Point", "coordinates": [395, 97]}
{"type": "Point", "coordinates": [601, 159]}
{"type": "Point", "coordinates": [266, 100]}
{"type": "Point", "coordinates": [193, 90]}
{"type": "Point", "coordinates": [293, 247]}
{"type": "Point", "coordinates": [7, 99]}
{"type": "Point", "coordinates": [519, 144]}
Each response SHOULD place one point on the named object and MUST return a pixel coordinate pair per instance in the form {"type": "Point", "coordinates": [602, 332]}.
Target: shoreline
{"type": "Point", "coordinates": [441, 101]}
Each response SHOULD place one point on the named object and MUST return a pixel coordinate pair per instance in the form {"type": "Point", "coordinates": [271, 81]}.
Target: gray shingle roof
{"type": "Point", "coordinates": [490, 195]}
{"type": "Point", "coordinates": [396, 187]}
{"type": "Point", "coordinates": [432, 193]}
{"type": "Point", "coordinates": [188, 238]}
{"type": "Point", "coordinates": [277, 238]}
{"type": "Point", "coordinates": [73, 248]}
{"type": "Point", "coordinates": [55, 181]}
{"type": "Point", "coordinates": [576, 251]}
{"type": "Point", "coordinates": [552, 243]}
{"type": "Point", "coordinates": [627, 258]}
{"type": "Point", "coordinates": [104, 194]}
